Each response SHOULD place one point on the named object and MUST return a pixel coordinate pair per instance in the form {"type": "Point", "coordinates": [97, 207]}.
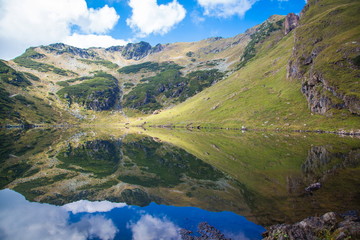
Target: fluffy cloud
{"type": "Point", "coordinates": [92, 40]}
{"type": "Point", "coordinates": [149, 17]}
{"type": "Point", "coordinates": [44, 221]}
{"type": "Point", "coordinates": [152, 228]}
{"type": "Point", "coordinates": [99, 21]}
{"type": "Point", "coordinates": [91, 207]}
{"type": "Point", "coordinates": [225, 8]}
{"type": "Point", "coordinates": [25, 23]}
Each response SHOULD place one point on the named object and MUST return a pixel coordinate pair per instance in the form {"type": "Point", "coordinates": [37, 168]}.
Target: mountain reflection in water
{"type": "Point", "coordinates": [179, 178]}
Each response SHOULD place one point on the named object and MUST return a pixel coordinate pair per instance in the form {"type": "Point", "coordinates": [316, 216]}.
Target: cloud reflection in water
{"type": "Point", "coordinates": [21, 219]}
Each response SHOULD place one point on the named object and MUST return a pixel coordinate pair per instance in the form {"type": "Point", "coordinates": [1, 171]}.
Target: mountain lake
{"type": "Point", "coordinates": [155, 183]}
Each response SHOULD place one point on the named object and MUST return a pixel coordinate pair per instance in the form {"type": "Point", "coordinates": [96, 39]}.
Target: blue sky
{"type": "Point", "coordinates": [102, 23]}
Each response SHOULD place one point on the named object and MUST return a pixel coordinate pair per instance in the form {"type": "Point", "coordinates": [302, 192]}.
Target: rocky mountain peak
{"type": "Point", "coordinates": [139, 50]}
{"type": "Point", "coordinates": [61, 48]}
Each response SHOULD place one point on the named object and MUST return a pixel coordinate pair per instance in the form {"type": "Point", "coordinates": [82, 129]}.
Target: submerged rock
{"type": "Point", "coordinates": [206, 231]}
{"type": "Point", "coordinates": [330, 225]}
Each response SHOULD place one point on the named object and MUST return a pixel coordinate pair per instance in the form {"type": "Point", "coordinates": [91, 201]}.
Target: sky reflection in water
{"type": "Point", "coordinates": [21, 219]}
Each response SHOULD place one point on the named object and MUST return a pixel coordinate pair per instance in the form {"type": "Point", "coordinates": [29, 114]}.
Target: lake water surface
{"type": "Point", "coordinates": [105, 183]}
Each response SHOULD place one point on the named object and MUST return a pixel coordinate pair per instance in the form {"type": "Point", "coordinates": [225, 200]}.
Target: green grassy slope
{"type": "Point", "coordinates": [325, 52]}
{"type": "Point", "coordinates": [19, 105]}
{"type": "Point", "coordinates": [257, 96]}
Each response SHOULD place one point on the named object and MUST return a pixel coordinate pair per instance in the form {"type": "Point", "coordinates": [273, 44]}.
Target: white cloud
{"type": "Point", "coordinates": [99, 21]}
{"type": "Point", "coordinates": [44, 221]}
{"type": "Point", "coordinates": [92, 40]}
{"type": "Point", "coordinates": [151, 228]}
{"type": "Point", "coordinates": [226, 8]}
{"type": "Point", "coordinates": [91, 207]}
{"type": "Point", "coordinates": [25, 23]}
{"type": "Point", "coordinates": [149, 17]}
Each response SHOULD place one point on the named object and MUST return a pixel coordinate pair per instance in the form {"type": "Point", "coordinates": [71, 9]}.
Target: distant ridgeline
{"type": "Point", "coordinates": [288, 72]}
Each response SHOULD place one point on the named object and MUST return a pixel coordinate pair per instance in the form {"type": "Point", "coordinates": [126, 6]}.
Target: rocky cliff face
{"type": "Point", "coordinates": [291, 22]}
{"type": "Point", "coordinates": [136, 51]}
{"type": "Point", "coordinates": [324, 61]}
{"type": "Point", "coordinates": [139, 50]}
{"type": "Point", "coordinates": [97, 102]}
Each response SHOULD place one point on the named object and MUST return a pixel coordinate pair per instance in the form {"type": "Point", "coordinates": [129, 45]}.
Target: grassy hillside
{"type": "Point", "coordinates": [324, 57]}
{"type": "Point", "coordinates": [18, 103]}
{"type": "Point", "coordinates": [99, 92]}
{"type": "Point", "coordinates": [259, 95]}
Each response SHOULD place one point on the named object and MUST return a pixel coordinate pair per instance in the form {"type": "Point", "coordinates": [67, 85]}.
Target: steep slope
{"type": "Point", "coordinates": [326, 56]}
{"type": "Point", "coordinates": [22, 104]}
{"type": "Point", "coordinates": [260, 95]}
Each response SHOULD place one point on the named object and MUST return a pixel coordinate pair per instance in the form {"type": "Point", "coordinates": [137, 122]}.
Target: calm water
{"type": "Point", "coordinates": [156, 183]}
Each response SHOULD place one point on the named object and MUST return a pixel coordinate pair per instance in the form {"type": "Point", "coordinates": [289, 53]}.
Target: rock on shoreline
{"type": "Point", "coordinates": [329, 226]}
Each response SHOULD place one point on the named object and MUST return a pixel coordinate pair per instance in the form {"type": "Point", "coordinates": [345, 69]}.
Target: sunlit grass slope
{"type": "Point", "coordinates": [257, 96]}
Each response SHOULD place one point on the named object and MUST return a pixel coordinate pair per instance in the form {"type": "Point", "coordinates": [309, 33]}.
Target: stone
{"type": "Point", "coordinates": [291, 22]}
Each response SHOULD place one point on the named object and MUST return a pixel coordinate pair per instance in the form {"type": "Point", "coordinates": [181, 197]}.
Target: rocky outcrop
{"type": "Point", "coordinates": [205, 230]}
{"type": "Point", "coordinates": [330, 225]}
{"type": "Point", "coordinates": [114, 49]}
{"type": "Point", "coordinates": [291, 22]}
{"type": "Point", "coordinates": [139, 50]}
{"type": "Point", "coordinates": [60, 48]}
{"type": "Point", "coordinates": [97, 102]}
{"type": "Point", "coordinates": [317, 64]}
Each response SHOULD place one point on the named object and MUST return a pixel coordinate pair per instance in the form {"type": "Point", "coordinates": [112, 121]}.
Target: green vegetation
{"type": "Point", "coordinates": [102, 62]}
{"type": "Point", "coordinates": [66, 82]}
{"type": "Point", "coordinates": [168, 86]}
{"type": "Point", "coordinates": [259, 95]}
{"type": "Point", "coordinates": [27, 188]}
{"type": "Point", "coordinates": [190, 54]}
{"type": "Point", "coordinates": [198, 81]}
{"type": "Point", "coordinates": [324, 48]}
{"type": "Point", "coordinates": [5, 104]}
{"type": "Point", "coordinates": [143, 96]}
{"type": "Point", "coordinates": [31, 76]}
{"type": "Point", "coordinates": [162, 164]}
{"type": "Point", "coordinates": [25, 60]}
{"type": "Point", "coordinates": [100, 157]}
{"type": "Point", "coordinates": [10, 76]}
{"type": "Point", "coordinates": [128, 85]}
{"type": "Point", "coordinates": [149, 67]}
{"type": "Point", "coordinates": [9, 174]}
{"type": "Point", "coordinates": [259, 36]}
{"type": "Point", "coordinates": [98, 92]}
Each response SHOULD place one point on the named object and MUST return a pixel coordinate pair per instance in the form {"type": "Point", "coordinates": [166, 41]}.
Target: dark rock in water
{"type": "Point", "coordinates": [206, 231]}
{"type": "Point", "coordinates": [291, 22]}
{"type": "Point", "coordinates": [313, 187]}
{"type": "Point", "coordinates": [330, 225]}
